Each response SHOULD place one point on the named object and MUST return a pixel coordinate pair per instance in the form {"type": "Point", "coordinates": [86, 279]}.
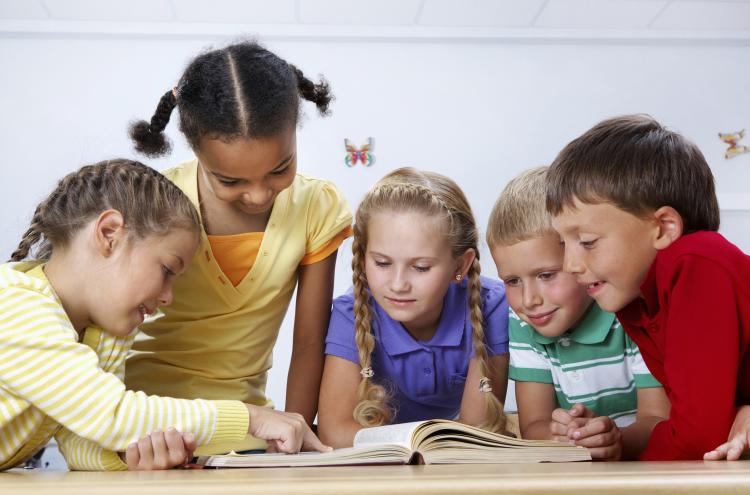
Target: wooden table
{"type": "Point", "coordinates": [713, 478]}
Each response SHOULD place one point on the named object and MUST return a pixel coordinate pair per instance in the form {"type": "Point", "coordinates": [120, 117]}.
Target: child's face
{"type": "Point", "coordinates": [409, 267]}
{"type": "Point", "coordinates": [608, 250]}
{"type": "Point", "coordinates": [538, 289]}
{"type": "Point", "coordinates": [248, 174]}
{"type": "Point", "coordinates": [139, 277]}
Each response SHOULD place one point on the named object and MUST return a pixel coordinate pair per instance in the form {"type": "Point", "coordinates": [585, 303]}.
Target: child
{"type": "Point", "coordinates": [636, 208]}
{"type": "Point", "coordinates": [111, 238]}
{"type": "Point", "coordinates": [265, 228]}
{"type": "Point", "coordinates": [421, 335]}
{"type": "Point", "coordinates": [572, 363]}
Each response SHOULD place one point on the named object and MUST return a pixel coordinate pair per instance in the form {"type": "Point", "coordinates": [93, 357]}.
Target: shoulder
{"type": "Point", "coordinates": [182, 173]}
{"type": "Point", "coordinates": [314, 189]}
{"type": "Point", "coordinates": [709, 250]}
{"type": "Point", "coordinates": [343, 305]}
{"type": "Point", "coordinates": [15, 279]}
{"type": "Point", "coordinates": [493, 296]}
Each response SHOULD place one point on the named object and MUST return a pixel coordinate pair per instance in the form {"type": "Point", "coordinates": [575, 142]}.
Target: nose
{"type": "Point", "coordinates": [257, 195]}
{"type": "Point", "coordinates": [399, 281]}
{"type": "Point", "coordinates": [165, 298]}
{"type": "Point", "coordinates": [531, 296]}
{"type": "Point", "coordinates": [572, 262]}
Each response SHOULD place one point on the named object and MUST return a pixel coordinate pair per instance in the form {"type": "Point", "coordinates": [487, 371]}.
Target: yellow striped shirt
{"type": "Point", "coordinates": [53, 385]}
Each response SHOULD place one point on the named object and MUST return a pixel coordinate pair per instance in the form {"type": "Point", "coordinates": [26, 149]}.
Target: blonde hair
{"type": "Point", "coordinates": [520, 213]}
{"type": "Point", "coordinates": [149, 202]}
{"type": "Point", "coordinates": [437, 196]}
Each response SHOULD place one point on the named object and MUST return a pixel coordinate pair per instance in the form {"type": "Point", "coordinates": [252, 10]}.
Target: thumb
{"type": "Point", "coordinates": [191, 443]}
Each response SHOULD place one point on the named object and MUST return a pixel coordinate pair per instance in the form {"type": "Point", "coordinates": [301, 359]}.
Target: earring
{"type": "Point", "coordinates": [458, 277]}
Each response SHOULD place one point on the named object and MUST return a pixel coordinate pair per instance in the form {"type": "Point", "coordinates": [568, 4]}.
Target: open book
{"type": "Point", "coordinates": [423, 442]}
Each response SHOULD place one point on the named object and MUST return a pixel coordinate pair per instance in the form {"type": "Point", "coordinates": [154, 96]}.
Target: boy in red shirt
{"type": "Point", "coordinates": [635, 206]}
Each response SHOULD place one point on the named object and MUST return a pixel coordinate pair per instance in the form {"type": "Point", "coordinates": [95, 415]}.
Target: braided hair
{"type": "Point", "coordinates": [241, 91]}
{"type": "Point", "coordinates": [437, 196]}
{"type": "Point", "coordinates": [149, 202]}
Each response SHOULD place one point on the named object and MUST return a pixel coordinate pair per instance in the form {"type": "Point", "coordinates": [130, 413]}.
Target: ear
{"type": "Point", "coordinates": [109, 231]}
{"type": "Point", "coordinates": [463, 263]}
{"type": "Point", "coordinates": [670, 226]}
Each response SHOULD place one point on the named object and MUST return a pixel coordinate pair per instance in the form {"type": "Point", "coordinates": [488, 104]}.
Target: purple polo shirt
{"type": "Point", "coordinates": [426, 378]}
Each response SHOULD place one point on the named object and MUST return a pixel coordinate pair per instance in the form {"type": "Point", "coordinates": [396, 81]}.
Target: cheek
{"type": "Point", "coordinates": [514, 298]}
{"type": "Point", "coordinates": [565, 291]}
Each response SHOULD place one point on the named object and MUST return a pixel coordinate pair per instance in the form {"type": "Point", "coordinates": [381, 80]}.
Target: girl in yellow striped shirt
{"type": "Point", "coordinates": [107, 245]}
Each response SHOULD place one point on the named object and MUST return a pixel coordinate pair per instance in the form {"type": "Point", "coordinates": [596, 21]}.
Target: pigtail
{"type": "Point", "coordinates": [31, 236]}
{"type": "Point", "coordinates": [320, 93]}
{"type": "Point", "coordinates": [149, 138]}
{"type": "Point", "coordinates": [496, 420]}
{"type": "Point", "coordinates": [371, 410]}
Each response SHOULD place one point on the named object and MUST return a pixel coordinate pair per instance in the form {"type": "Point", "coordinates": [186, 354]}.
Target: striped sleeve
{"type": "Point", "coordinates": [642, 376]}
{"type": "Point", "coordinates": [528, 362]}
{"type": "Point", "coordinates": [45, 365]}
{"type": "Point", "coordinates": [85, 455]}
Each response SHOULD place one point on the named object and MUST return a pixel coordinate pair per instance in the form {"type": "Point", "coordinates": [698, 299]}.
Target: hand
{"type": "Point", "coordinates": [565, 419]}
{"type": "Point", "coordinates": [285, 432]}
{"type": "Point", "coordinates": [737, 444]}
{"type": "Point", "coordinates": [601, 436]}
{"type": "Point", "coordinates": [160, 450]}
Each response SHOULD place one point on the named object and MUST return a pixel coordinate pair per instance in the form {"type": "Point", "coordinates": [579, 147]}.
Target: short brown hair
{"type": "Point", "coordinates": [639, 166]}
{"type": "Point", "coordinates": [520, 213]}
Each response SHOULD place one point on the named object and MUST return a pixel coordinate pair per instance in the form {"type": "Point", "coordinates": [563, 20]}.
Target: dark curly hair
{"type": "Point", "coordinates": [241, 91]}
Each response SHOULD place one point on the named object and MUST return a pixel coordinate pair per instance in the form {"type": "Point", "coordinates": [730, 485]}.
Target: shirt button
{"type": "Point", "coordinates": [565, 341]}
{"type": "Point", "coordinates": [427, 371]}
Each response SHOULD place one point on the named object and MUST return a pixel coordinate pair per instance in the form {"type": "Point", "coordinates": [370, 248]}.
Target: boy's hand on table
{"type": "Point", "coordinates": [285, 432]}
{"type": "Point", "coordinates": [738, 444]}
{"type": "Point", "coordinates": [565, 419]}
{"type": "Point", "coordinates": [160, 450]}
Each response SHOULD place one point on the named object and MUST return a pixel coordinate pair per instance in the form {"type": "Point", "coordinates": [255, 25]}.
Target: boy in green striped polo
{"type": "Point", "coordinates": [579, 378]}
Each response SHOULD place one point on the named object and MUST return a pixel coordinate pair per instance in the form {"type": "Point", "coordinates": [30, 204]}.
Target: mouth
{"type": "Point", "coordinates": [594, 287]}
{"type": "Point", "coordinates": [400, 303]}
{"type": "Point", "coordinates": [541, 318]}
{"type": "Point", "coordinates": [145, 311]}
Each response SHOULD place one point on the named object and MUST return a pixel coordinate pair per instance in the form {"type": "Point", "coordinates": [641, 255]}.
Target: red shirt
{"type": "Point", "coordinates": [692, 326]}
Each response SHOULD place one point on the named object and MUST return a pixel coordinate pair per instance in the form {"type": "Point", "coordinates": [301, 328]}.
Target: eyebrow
{"type": "Point", "coordinates": [418, 258]}
{"type": "Point", "coordinates": [281, 164]}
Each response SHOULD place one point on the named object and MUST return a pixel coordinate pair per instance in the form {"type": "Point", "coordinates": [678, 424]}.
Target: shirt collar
{"type": "Point", "coordinates": [397, 340]}
{"type": "Point", "coordinates": [640, 311]}
{"type": "Point", "coordinates": [593, 329]}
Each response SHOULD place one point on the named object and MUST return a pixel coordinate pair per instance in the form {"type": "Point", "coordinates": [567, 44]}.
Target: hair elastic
{"type": "Point", "coordinates": [484, 385]}
{"type": "Point", "coordinates": [366, 372]}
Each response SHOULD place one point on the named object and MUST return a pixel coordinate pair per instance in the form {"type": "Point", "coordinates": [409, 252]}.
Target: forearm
{"type": "Point", "coordinates": [338, 434]}
{"type": "Point", "coordinates": [303, 381]}
{"type": "Point", "coordinates": [537, 430]}
{"type": "Point", "coordinates": [635, 437]}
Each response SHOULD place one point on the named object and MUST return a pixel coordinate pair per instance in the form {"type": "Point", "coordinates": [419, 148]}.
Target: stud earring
{"type": "Point", "coordinates": [458, 277]}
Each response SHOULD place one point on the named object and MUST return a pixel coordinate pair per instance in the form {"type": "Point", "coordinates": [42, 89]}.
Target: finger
{"type": "Point", "coordinates": [718, 453]}
{"type": "Point", "coordinates": [605, 453]}
{"type": "Point", "coordinates": [191, 443]}
{"type": "Point", "coordinates": [574, 425]}
{"type": "Point", "coordinates": [161, 452]}
{"type": "Point", "coordinates": [601, 440]}
{"type": "Point", "coordinates": [593, 427]}
{"type": "Point", "coordinates": [273, 447]}
{"type": "Point", "coordinates": [734, 452]}
{"type": "Point", "coordinates": [146, 452]}
{"type": "Point", "coordinates": [291, 438]}
{"type": "Point", "coordinates": [559, 429]}
{"type": "Point", "coordinates": [561, 416]}
{"type": "Point", "coordinates": [579, 411]}
{"type": "Point", "coordinates": [562, 439]}
{"type": "Point", "coordinates": [176, 451]}
{"type": "Point", "coordinates": [312, 442]}
{"type": "Point", "coordinates": [132, 456]}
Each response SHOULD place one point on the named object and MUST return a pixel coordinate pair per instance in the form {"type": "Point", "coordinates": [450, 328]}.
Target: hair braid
{"type": "Point", "coordinates": [320, 93]}
{"type": "Point", "coordinates": [149, 137]}
{"type": "Point", "coordinates": [371, 410]}
{"type": "Point", "coordinates": [496, 420]}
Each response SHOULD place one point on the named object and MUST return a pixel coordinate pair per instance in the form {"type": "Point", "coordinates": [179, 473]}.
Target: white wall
{"type": "Point", "coordinates": [479, 112]}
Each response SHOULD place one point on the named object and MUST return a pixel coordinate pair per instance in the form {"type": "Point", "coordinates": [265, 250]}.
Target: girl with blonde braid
{"type": "Point", "coordinates": [420, 335]}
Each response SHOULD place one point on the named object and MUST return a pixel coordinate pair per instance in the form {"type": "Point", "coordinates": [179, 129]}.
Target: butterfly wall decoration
{"type": "Point", "coordinates": [732, 139]}
{"type": "Point", "coordinates": [362, 154]}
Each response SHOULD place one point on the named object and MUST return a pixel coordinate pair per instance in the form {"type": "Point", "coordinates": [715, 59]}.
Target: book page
{"type": "Point", "coordinates": [400, 434]}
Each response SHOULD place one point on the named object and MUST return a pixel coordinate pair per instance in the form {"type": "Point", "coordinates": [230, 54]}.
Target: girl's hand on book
{"type": "Point", "coordinates": [287, 433]}
{"type": "Point", "coordinates": [601, 436]}
{"type": "Point", "coordinates": [160, 450]}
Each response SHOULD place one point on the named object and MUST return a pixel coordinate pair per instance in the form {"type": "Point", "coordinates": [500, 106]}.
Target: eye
{"type": "Point", "coordinates": [381, 264]}
{"type": "Point", "coordinates": [587, 244]}
{"type": "Point", "coordinates": [512, 282]}
{"type": "Point", "coordinates": [281, 172]}
{"type": "Point", "coordinates": [167, 271]}
{"type": "Point", "coordinates": [422, 269]}
{"type": "Point", "coordinates": [546, 276]}
{"type": "Point", "coordinates": [229, 182]}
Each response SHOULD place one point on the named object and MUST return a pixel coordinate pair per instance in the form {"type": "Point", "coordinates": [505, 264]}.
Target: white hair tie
{"type": "Point", "coordinates": [366, 372]}
{"type": "Point", "coordinates": [484, 385]}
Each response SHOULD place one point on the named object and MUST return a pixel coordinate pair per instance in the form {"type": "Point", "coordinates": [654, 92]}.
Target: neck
{"type": "Point", "coordinates": [60, 273]}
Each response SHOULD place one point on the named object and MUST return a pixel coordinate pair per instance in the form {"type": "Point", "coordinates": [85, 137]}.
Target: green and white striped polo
{"type": "Point", "coordinates": [595, 364]}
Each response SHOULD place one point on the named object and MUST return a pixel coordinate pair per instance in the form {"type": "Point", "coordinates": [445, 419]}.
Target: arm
{"type": "Point", "coordinates": [312, 313]}
{"type": "Point", "coordinates": [701, 342]}
{"type": "Point", "coordinates": [536, 402]}
{"type": "Point", "coordinates": [653, 407]}
{"type": "Point", "coordinates": [338, 398]}
{"type": "Point", "coordinates": [473, 403]}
